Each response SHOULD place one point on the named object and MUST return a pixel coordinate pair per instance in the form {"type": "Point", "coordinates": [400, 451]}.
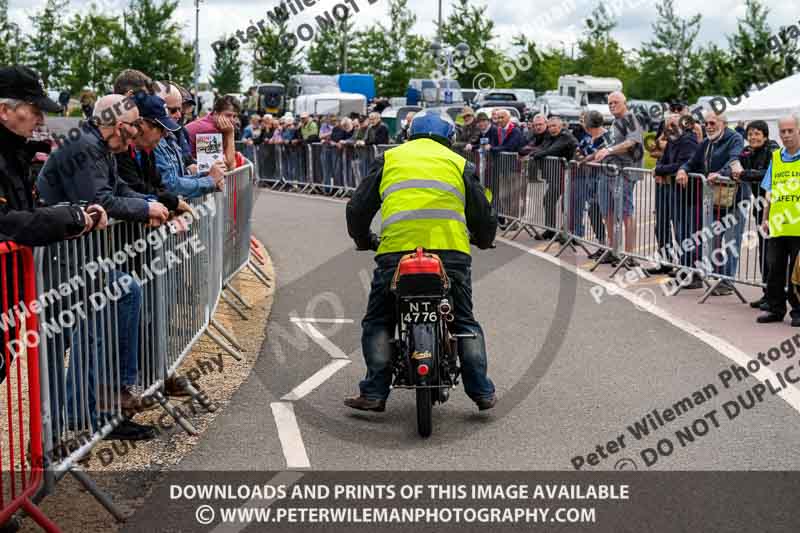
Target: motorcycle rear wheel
{"type": "Point", "coordinates": [424, 412]}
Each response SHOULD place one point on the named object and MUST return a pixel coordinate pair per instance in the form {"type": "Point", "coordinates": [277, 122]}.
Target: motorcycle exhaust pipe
{"type": "Point", "coordinates": [444, 307]}
{"type": "Point", "coordinates": [449, 317]}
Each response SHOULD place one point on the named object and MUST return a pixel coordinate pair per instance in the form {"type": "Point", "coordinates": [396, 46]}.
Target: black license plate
{"type": "Point", "coordinates": [419, 312]}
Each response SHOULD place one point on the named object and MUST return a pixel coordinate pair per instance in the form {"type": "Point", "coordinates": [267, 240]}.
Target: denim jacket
{"type": "Point", "coordinates": [169, 161]}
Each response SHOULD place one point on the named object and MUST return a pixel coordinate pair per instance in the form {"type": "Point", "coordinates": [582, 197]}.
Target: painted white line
{"type": "Point", "coordinates": [309, 197]}
{"type": "Point", "coordinates": [315, 380]}
{"type": "Point", "coordinates": [790, 394]}
{"type": "Point", "coordinates": [289, 434]}
{"type": "Point", "coordinates": [323, 341]}
{"type": "Point", "coordinates": [323, 320]}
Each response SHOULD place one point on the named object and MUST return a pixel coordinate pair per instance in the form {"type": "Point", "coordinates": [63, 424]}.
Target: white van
{"type": "Point", "coordinates": [589, 92]}
{"type": "Point", "coordinates": [341, 104]}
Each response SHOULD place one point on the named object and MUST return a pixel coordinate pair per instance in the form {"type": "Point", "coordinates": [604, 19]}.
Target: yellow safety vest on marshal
{"type": "Point", "coordinates": [423, 199]}
{"type": "Point", "coordinates": [784, 204]}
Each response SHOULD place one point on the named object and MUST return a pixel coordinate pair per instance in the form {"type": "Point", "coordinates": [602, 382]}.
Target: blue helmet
{"type": "Point", "coordinates": [432, 124]}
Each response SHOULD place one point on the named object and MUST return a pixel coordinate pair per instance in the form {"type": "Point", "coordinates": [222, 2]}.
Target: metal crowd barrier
{"type": "Point", "coordinates": [21, 452]}
{"type": "Point", "coordinates": [113, 313]}
{"type": "Point", "coordinates": [626, 214]}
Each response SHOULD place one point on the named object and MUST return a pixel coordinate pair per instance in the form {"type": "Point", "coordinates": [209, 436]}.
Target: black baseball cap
{"type": "Point", "coordinates": [23, 83]}
{"type": "Point", "coordinates": [151, 107]}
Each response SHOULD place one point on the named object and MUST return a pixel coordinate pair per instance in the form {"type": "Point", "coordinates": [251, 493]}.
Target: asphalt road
{"type": "Point", "coordinates": [571, 374]}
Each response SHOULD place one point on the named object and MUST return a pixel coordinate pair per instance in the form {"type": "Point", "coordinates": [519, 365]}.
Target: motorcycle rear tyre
{"type": "Point", "coordinates": [424, 412]}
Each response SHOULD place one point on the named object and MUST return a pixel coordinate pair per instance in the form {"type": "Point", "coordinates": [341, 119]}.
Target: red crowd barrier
{"type": "Point", "coordinates": [21, 458]}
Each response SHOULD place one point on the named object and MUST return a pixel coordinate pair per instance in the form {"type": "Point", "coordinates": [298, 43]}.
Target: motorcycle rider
{"type": "Point", "coordinates": [429, 197]}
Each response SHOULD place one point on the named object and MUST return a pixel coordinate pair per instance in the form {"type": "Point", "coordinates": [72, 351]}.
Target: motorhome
{"type": "Point", "coordinates": [589, 92]}
{"type": "Point", "coordinates": [334, 103]}
{"type": "Point", "coordinates": [304, 84]}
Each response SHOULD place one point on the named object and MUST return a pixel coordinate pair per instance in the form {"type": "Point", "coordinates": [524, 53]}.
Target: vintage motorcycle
{"type": "Point", "coordinates": [425, 357]}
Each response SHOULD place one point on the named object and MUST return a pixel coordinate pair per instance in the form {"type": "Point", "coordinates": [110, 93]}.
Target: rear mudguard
{"type": "Point", "coordinates": [423, 348]}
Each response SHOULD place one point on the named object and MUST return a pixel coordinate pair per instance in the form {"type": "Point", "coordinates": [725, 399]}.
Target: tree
{"type": "Point", "coordinates": [469, 24]}
{"type": "Point", "coordinates": [150, 41]}
{"type": "Point", "coordinates": [670, 54]}
{"type": "Point", "coordinates": [329, 52]}
{"type": "Point", "coordinates": [12, 47]}
{"type": "Point", "coordinates": [751, 61]}
{"type": "Point", "coordinates": [226, 73]}
{"type": "Point", "coordinates": [535, 77]}
{"type": "Point", "coordinates": [718, 78]}
{"type": "Point", "coordinates": [276, 53]}
{"type": "Point", "coordinates": [393, 53]}
{"type": "Point", "coordinates": [88, 41]}
{"type": "Point", "coordinates": [47, 46]}
{"type": "Point", "coordinates": [599, 53]}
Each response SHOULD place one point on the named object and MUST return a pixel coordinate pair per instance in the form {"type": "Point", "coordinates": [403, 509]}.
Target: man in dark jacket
{"type": "Point", "coordinates": [85, 170]}
{"type": "Point", "coordinates": [755, 159]}
{"type": "Point", "coordinates": [377, 133]}
{"type": "Point", "coordinates": [716, 156]}
{"type": "Point", "coordinates": [22, 101]}
{"type": "Point", "coordinates": [681, 146]}
{"type": "Point", "coordinates": [485, 131]}
{"type": "Point", "coordinates": [467, 131]}
{"type": "Point", "coordinates": [559, 143]}
{"type": "Point", "coordinates": [538, 135]}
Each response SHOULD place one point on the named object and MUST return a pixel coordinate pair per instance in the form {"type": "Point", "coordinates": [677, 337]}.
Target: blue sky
{"type": "Point", "coordinates": [511, 17]}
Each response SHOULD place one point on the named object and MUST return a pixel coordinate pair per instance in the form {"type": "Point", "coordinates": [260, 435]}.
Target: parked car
{"type": "Point", "coordinates": [501, 97]}
{"type": "Point", "coordinates": [469, 95]}
{"type": "Point", "coordinates": [563, 106]}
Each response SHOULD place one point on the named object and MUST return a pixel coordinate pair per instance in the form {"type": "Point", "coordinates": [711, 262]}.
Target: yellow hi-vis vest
{"type": "Point", "coordinates": [784, 208]}
{"type": "Point", "coordinates": [423, 199]}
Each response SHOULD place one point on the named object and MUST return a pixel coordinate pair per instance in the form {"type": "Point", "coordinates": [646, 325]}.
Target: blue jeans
{"type": "Point", "coordinates": [378, 328]}
{"type": "Point", "coordinates": [584, 190]}
{"type": "Point", "coordinates": [88, 347]}
{"type": "Point", "coordinates": [688, 220]}
{"type": "Point", "coordinates": [733, 235]}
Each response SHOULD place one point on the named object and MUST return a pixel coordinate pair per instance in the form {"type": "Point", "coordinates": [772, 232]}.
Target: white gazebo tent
{"type": "Point", "coordinates": [769, 104]}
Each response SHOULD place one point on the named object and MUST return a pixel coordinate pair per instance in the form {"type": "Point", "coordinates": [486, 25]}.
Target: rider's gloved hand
{"type": "Point", "coordinates": [374, 242]}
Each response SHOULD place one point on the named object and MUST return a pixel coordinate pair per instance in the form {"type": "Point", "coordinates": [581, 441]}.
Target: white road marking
{"type": "Point", "coordinates": [315, 380]}
{"type": "Point", "coordinates": [317, 198]}
{"type": "Point", "coordinates": [323, 341]}
{"type": "Point", "coordinates": [289, 434]}
{"type": "Point", "coordinates": [323, 320]}
{"type": "Point", "coordinates": [791, 395]}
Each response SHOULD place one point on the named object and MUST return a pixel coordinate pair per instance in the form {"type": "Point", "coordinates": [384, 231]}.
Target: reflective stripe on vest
{"type": "Point", "coordinates": [784, 209]}
{"type": "Point", "coordinates": [423, 199]}
{"type": "Point", "coordinates": [423, 184]}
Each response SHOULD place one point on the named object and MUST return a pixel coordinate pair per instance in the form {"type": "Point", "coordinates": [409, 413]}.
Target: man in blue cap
{"type": "Point", "coordinates": [159, 154]}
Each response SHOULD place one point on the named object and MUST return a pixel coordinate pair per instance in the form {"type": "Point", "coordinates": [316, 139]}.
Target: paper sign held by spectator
{"type": "Point", "coordinates": [209, 150]}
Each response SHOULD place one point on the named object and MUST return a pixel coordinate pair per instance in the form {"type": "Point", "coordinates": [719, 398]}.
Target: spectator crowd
{"type": "Point", "coordinates": [735, 158]}
{"type": "Point", "coordinates": [133, 160]}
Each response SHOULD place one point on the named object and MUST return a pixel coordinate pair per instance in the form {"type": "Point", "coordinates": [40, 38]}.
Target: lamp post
{"type": "Point", "coordinates": [437, 49]}
{"type": "Point", "coordinates": [196, 47]}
